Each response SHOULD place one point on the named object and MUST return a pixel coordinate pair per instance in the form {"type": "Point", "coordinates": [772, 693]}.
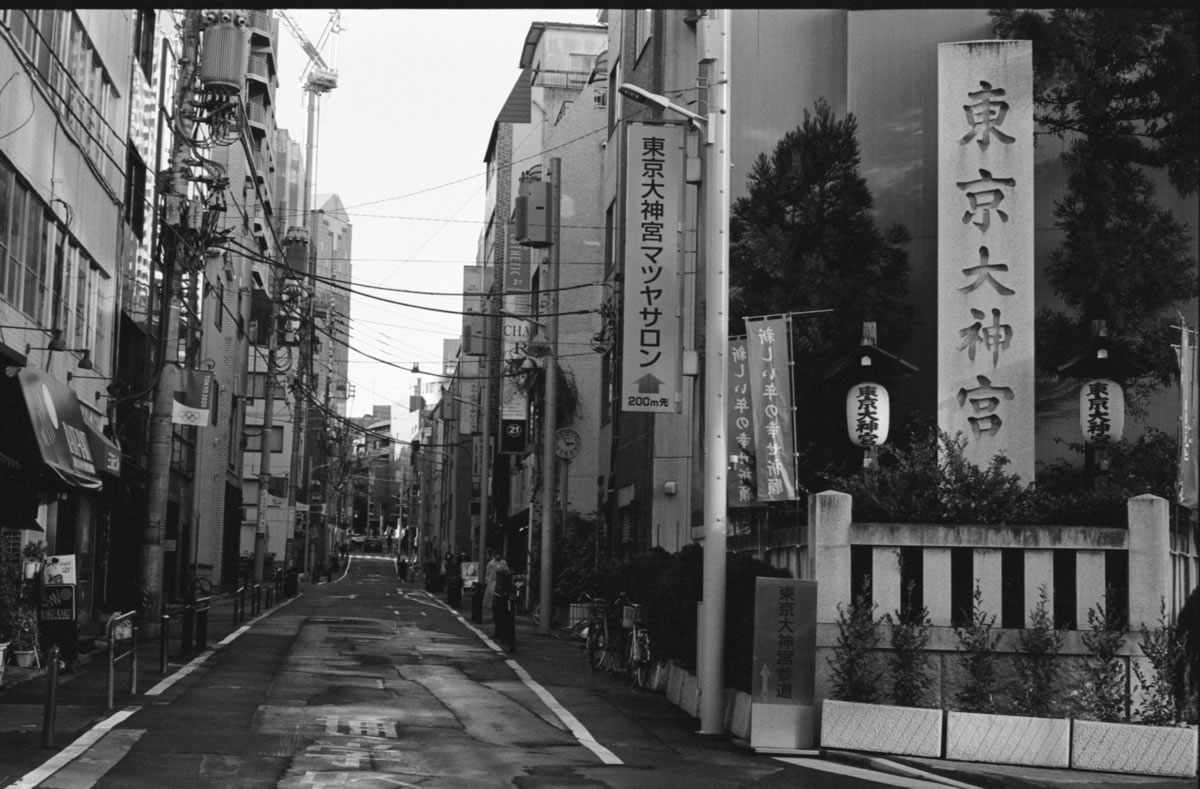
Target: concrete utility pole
{"type": "Point", "coordinates": [175, 209]}
{"type": "Point", "coordinates": [264, 449]}
{"type": "Point", "coordinates": [485, 463]}
{"type": "Point", "coordinates": [716, 372]}
{"type": "Point", "coordinates": [549, 416]}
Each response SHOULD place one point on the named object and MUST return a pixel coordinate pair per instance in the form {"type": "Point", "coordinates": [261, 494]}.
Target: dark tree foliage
{"type": "Point", "coordinates": [805, 238]}
{"type": "Point", "coordinates": [1120, 86]}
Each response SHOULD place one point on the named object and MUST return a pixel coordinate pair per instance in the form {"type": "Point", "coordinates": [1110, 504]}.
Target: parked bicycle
{"type": "Point", "coordinates": [606, 639]}
{"type": "Point", "coordinates": [638, 662]}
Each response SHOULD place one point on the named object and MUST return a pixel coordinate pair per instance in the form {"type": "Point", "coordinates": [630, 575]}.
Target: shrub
{"type": "Point", "coordinates": [978, 659]}
{"type": "Point", "coordinates": [909, 660]}
{"type": "Point", "coordinates": [1037, 662]}
{"type": "Point", "coordinates": [1164, 651]}
{"type": "Point", "coordinates": [856, 677]}
{"type": "Point", "coordinates": [1104, 693]}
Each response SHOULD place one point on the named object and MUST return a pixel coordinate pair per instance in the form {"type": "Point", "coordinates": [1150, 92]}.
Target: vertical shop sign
{"type": "Point", "coordinates": [651, 378]}
{"type": "Point", "coordinates": [768, 351]}
{"type": "Point", "coordinates": [739, 426]}
{"type": "Point", "coordinates": [985, 249]}
{"type": "Point", "coordinates": [473, 311]}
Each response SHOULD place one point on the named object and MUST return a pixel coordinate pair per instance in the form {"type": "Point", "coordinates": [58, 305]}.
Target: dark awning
{"type": "Point", "coordinates": [62, 438]}
{"type": "Point", "coordinates": [106, 454]}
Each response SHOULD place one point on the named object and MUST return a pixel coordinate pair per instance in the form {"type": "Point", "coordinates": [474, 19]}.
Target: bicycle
{"type": "Point", "coordinates": [606, 641]}
{"type": "Point", "coordinates": [638, 662]}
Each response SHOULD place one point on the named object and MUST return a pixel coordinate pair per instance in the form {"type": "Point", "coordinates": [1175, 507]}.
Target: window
{"type": "Point", "coordinates": [257, 384]}
{"type": "Point", "coordinates": [135, 191]}
{"type": "Point", "coordinates": [144, 51]}
{"type": "Point", "coordinates": [254, 438]}
{"type": "Point", "coordinates": [614, 98]}
{"type": "Point", "coordinates": [643, 21]}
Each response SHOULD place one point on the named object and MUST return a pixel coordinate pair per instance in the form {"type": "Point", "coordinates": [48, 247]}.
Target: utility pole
{"type": "Point", "coordinates": [485, 463]}
{"type": "Point", "coordinates": [175, 210]}
{"type": "Point", "coordinates": [550, 415]}
{"type": "Point", "coordinates": [264, 449]}
{"type": "Point", "coordinates": [716, 374]}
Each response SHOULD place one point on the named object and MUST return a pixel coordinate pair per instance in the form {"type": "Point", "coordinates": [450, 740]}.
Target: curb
{"type": "Point", "coordinates": [880, 764]}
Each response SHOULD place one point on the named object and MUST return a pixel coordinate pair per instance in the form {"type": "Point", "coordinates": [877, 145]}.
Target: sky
{"type": "Point", "coordinates": [401, 141]}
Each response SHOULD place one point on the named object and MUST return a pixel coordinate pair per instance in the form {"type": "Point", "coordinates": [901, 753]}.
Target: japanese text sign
{"type": "Point", "coordinates": [768, 353]}
{"type": "Point", "coordinates": [651, 378]}
{"type": "Point", "coordinates": [985, 249]}
{"type": "Point", "coordinates": [739, 429]}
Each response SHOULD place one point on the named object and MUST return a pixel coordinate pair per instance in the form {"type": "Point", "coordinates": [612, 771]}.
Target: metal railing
{"type": "Point", "coordinates": [121, 627]}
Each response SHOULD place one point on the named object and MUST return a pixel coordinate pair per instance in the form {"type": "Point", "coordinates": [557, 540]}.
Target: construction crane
{"type": "Point", "coordinates": [318, 77]}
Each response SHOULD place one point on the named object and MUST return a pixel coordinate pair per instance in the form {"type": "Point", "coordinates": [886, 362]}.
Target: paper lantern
{"type": "Point", "coordinates": [868, 414]}
{"type": "Point", "coordinates": [1101, 411]}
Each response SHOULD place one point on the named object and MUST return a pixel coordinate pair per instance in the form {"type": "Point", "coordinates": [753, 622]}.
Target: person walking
{"type": "Point", "coordinates": [503, 618]}
{"type": "Point", "coordinates": [489, 578]}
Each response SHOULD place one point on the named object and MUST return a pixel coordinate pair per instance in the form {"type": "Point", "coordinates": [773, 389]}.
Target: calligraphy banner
{"type": "Point", "coordinates": [651, 375]}
{"type": "Point", "coordinates": [985, 250]}
{"type": "Point", "coordinates": [769, 356]}
{"type": "Point", "coordinates": [1189, 393]}
{"type": "Point", "coordinates": [739, 429]}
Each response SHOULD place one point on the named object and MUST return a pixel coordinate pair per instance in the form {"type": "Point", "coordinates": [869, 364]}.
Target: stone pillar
{"type": "Point", "coordinates": [829, 547]}
{"type": "Point", "coordinates": [1149, 559]}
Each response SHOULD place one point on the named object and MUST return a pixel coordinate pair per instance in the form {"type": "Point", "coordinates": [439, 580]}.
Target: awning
{"type": "Point", "coordinates": [106, 454]}
{"type": "Point", "coordinates": [62, 437]}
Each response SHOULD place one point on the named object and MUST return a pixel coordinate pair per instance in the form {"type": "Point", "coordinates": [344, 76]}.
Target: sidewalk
{"type": "Point", "coordinates": [82, 694]}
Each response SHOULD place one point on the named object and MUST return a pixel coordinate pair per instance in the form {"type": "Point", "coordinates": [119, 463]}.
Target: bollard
{"type": "Point", "coordinates": [51, 711]}
{"type": "Point", "coordinates": [133, 663]}
{"type": "Point", "coordinates": [202, 625]}
{"type": "Point", "coordinates": [254, 600]}
{"type": "Point", "coordinates": [164, 627]}
{"type": "Point", "coordinates": [239, 605]}
{"type": "Point", "coordinates": [188, 622]}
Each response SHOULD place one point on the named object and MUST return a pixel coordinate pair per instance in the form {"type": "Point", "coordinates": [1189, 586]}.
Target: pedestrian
{"type": "Point", "coordinates": [503, 617]}
{"type": "Point", "coordinates": [489, 578]}
{"type": "Point", "coordinates": [389, 541]}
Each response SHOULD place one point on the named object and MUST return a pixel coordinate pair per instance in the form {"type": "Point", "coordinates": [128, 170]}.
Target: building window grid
{"type": "Point", "coordinates": [76, 78]}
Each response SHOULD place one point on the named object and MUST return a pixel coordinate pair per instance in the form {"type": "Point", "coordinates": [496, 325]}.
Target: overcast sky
{"type": "Point", "coordinates": [401, 140]}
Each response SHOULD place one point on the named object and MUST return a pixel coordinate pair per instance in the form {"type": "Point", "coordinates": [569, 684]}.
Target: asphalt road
{"type": "Point", "coordinates": [371, 682]}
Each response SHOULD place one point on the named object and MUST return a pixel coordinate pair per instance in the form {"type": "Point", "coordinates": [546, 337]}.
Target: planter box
{"type": "Point", "coordinates": [1008, 739]}
{"type": "Point", "coordinates": [1132, 748]}
{"type": "Point", "coordinates": [881, 728]}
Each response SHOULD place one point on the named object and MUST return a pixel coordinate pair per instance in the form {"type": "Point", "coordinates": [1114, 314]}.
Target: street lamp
{"type": "Point", "coordinates": [715, 128]}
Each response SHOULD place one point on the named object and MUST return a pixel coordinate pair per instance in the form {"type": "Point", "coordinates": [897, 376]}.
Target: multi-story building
{"type": "Point", "coordinates": [73, 226]}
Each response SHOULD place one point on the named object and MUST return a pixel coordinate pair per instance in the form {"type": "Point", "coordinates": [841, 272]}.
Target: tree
{"type": "Point", "coordinates": [1120, 86]}
{"type": "Point", "coordinates": [805, 237]}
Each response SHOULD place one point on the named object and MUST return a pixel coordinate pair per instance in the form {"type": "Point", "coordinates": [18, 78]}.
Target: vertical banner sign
{"type": "Point", "coordinates": [784, 664]}
{"type": "Point", "coordinates": [768, 351]}
{"type": "Point", "coordinates": [473, 311]}
{"type": "Point", "coordinates": [514, 405]}
{"type": "Point", "coordinates": [1189, 392]}
{"type": "Point", "coordinates": [193, 405]}
{"type": "Point", "coordinates": [739, 427]}
{"type": "Point", "coordinates": [651, 377]}
{"type": "Point", "coordinates": [468, 392]}
{"type": "Point", "coordinates": [985, 249]}
{"type": "Point", "coordinates": [517, 269]}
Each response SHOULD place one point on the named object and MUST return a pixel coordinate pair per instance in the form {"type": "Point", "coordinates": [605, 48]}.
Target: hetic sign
{"type": "Point", "coordinates": [651, 379]}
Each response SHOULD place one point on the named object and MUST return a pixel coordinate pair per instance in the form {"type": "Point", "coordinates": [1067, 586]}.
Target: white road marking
{"type": "Point", "coordinates": [849, 770]}
{"type": "Point", "coordinates": [570, 721]}
{"type": "Point", "coordinates": [197, 661]}
{"type": "Point", "coordinates": [72, 751]}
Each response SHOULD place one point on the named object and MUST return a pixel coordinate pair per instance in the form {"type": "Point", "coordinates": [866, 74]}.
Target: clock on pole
{"type": "Point", "coordinates": [567, 443]}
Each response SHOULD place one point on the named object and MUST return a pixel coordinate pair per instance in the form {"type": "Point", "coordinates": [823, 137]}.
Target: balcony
{"type": "Point", "coordinates": [552, 78]}
{"type": "Point", "coordinates": [262, 24]}
{"type": "Point", "coordinates": [257, 115]}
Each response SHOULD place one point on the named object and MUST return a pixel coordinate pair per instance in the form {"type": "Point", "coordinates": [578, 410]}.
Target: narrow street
{"type": "Point", "coordinates": [370, 682]}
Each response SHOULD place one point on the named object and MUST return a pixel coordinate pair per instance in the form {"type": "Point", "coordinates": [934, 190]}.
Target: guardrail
{"type": "Point", "coordinates": [122, 628]}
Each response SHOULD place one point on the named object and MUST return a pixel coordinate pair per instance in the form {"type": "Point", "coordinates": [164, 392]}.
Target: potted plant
{"type": "Point", "coordinates": [24, 639]}
{"type": "Point", "coordinates": [34, 554]}
{"type": "Point", "coordinates": [10, 602]}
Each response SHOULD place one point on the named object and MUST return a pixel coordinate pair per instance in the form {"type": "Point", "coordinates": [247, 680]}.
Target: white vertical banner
{"type": "Point", "coordinates": [769, 363]}
{"type": "Point", "coordinates": [985, 250]}
{"type": "Point", "coordinates": [651, 376]}
{"type": "Point", "coordinates": [473, 311]}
